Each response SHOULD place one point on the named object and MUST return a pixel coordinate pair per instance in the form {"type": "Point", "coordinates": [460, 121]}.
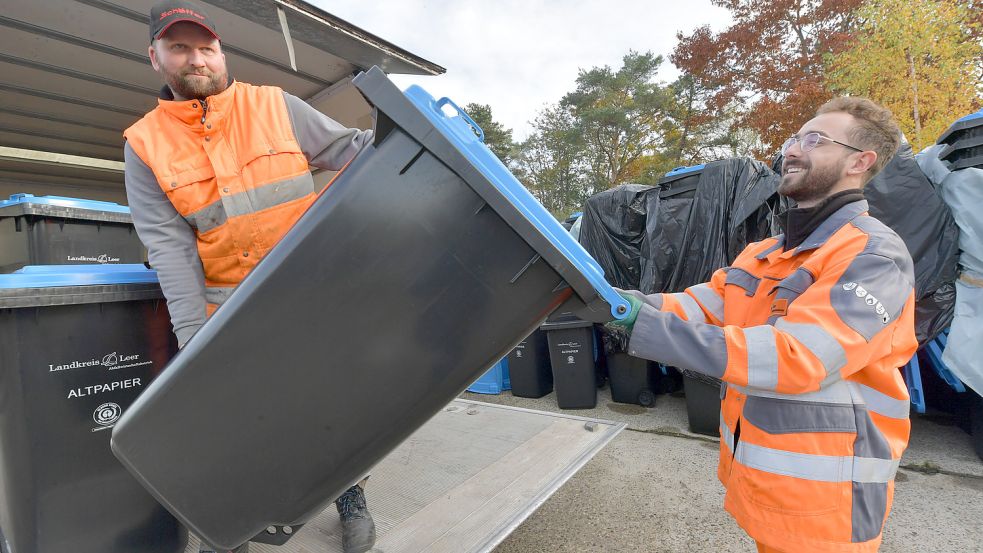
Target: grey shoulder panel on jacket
{"type": "Point", "coordinates": [883, 241]}
{"type": "Point", "coordinates": [876, 285]}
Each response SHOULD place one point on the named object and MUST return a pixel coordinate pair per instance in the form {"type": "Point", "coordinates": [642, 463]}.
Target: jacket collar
{"type": "Point", "coordinates": [828, 228]}
{"type": "Point", "coordinates": [190, 112]}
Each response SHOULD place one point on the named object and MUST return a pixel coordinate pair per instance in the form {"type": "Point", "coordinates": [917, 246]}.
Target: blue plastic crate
{"type": "Point", "coordinates": [494, 381]}
{"type": "Point", "coordinates": [934, 351]}
{"type": "Point", "coordinates": [913, 379]}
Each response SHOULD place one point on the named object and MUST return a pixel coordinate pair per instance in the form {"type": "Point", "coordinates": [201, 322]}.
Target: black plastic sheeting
{"type": "Point", "coordinates": [666, 238]}
{"type": "Point", "coordinates": [731, 207]}
{"type": "Point", "coordinates": [903, 198]}
{"type": "Point", "coordinates": [612, 230]}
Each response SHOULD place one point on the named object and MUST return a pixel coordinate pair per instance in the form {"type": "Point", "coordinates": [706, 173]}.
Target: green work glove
{"type": "Point", "coordinates": [626, 324]}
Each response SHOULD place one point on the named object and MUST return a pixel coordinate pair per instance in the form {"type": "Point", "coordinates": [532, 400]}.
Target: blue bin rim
{"type": "Point", "coordinates": [63, 201]}
{"type": "Point", "coordinates": [460, 130]}
{"type": "Point", "coordinates": [50, 276]}
{"type": "Point", "coordinates": [971, 116]}
{"type": "Point", "coordinates": [683, 170]}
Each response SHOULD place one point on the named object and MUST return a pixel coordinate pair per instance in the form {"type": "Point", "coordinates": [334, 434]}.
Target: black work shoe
{"type": "Point", "coordinates": [244, 548]}
{"type": "Point", "coordinates": [357, 528]}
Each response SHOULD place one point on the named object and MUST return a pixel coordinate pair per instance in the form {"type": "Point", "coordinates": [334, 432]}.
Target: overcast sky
{"type": "Point", "coordinates": [519, 55]}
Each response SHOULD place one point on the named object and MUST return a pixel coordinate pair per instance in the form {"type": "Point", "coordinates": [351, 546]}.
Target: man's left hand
{"type": "Point", "coordinates": [628, 323]}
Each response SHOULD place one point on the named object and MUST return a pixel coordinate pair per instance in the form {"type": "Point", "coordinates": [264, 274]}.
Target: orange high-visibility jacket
{"type": "Point", "coordinates": [814, 412]}
{"type": "Point", "coordinates": [221, 181]}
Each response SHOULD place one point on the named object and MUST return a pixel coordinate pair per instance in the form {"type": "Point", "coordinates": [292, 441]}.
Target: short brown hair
{"type": "Point", "coordinates": [875, 130]}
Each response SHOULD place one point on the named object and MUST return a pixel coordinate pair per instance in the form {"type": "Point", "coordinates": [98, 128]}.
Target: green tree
{"type": "Point", "coordinates": [697, 133]}
{"type": "Point", "coordinates": [498, 138]}
{"type": "Point", "coordinates": [916, 57]}
{"type": "Point", "coordinates": [553, 162]}
{"type": "Point", "coordinates": [620, 116]}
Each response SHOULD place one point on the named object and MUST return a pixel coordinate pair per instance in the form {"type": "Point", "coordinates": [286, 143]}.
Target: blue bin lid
{"type": "Point", "coordinates": [977, 115]}
{"type": "Point", "coordinates": [679, 171]}
{"type": "Point", "coordinates": [468, 138]}
{"type": "Point", "coordinates": [61, 201]}
{"type": "Point", "coordinates": [48, 276]}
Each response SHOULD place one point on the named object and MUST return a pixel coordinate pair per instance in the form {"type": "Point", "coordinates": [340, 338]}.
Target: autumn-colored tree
{"type": "Point", "coordinates": [917, 58]}
{"type": "Point", "coordinates": [769, 61]}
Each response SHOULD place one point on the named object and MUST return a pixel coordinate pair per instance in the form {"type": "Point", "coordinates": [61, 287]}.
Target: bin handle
{"type": "Point", "coordinates": [447, 101]}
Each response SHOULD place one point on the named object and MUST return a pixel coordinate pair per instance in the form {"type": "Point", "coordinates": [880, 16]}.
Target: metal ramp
{"type": "Point", "coordinates": [463, 481]}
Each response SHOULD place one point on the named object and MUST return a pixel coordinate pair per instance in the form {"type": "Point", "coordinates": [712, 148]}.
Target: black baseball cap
{"type": "Point", "coordinates": [169, 12]}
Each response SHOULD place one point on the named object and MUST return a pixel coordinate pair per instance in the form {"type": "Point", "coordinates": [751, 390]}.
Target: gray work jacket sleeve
{"type": "Point", "coordinates": [171, 246]}
{"type": "Point", "coordinates": [326, 143]}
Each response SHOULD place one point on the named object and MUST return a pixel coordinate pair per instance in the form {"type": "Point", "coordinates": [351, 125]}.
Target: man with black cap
{"type": "Point", "coordinates": [216, 174]}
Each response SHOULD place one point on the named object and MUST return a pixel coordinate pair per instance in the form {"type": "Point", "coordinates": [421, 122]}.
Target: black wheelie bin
{"type": "Point", "coordinates": [529, 367]}
{"type": "Point", "coordinates": [52, 230]}
{"type": "Point", "coordinates": [78, 344]}
{"type": "Point", "coordinates": [633, 380]}
{"type": "Point", "coordinates": [573, 358]}
{"type": "Point", "coordinates": [419, 267]}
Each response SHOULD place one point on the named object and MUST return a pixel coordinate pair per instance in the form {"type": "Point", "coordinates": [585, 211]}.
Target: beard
{"type": "Point", "coordinates": [811, 183]}
{"type": "Point", "coordinates": [185, 84]}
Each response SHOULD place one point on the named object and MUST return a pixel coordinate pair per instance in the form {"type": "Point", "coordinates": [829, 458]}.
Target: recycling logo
{"type": "Point", "coordinates": [107, 413]}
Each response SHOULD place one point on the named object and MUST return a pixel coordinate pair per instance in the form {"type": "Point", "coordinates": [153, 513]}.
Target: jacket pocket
{"type": "Point", "coordinates": [191, 190]}
{"type": "Point", "coordinates": [789, 495]}
{"type": "Point", "coordinates": [270, 160]}
{"type": "Point", "coordinates": [743, 280]}
{"type": "Point", "coordinates": [788, 290]}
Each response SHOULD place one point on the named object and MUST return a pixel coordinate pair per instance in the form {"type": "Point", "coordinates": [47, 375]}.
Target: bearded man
{"type": "Point", "coordinates": [216, 174]}
{"type": "Point", "coordinates": [806, 330]}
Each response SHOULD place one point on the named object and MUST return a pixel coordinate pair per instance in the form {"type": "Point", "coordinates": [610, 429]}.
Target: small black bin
{"type": "Point", "coordinates": [633, 380]}
{"type": "Point", "coordinates": [529, 367]}
{"type": "Point", "coordinates": [702, 403]}
{"type": "Point", "coordinates": [76, 349]}
{"type": "Point", "coordinates": [51, 230]}
{"type": "Point", "coordinates": [573, 360]}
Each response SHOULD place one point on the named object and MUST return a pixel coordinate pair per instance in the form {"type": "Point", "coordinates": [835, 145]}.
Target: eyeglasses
{"type": "Point", "coordinates": [809, 142]}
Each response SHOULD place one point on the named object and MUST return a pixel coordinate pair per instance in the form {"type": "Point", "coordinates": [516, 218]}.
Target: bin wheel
{"type": "Point", "coordinates": [646, 398]}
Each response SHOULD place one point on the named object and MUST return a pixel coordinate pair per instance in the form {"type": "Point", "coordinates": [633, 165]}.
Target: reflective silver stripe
{"type": "Point", "coordinates": [821, 468]}
{"type": "Point", "coordinates": [829, 351]}
{"type": "Point", "coordinates": [251, 201]}
{"type": "Point", "coordinates": [218, 295]}
{"type": "Point", "coordinates": [725, 434]}
{"type": "Point", "coordinates": [690, 308]}
{"type": "Point", "coordinates": [843, 393]}
{"type": "Point", "coordinates": [276, 193]}
{"type": "Point", "coordinates": [208, 217]}
{"type": "Point", "coordinates": [711, 301]}
{"type": "Point", "coordinates": [762, 357]}
{"type": "Point", "coordinates": [835, 392]}
{"type": "Point", "coordinates": [883, 404]}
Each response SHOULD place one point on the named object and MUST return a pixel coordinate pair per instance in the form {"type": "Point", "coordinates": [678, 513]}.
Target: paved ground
{"type": "Point", "coordinates": [654, 489]}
